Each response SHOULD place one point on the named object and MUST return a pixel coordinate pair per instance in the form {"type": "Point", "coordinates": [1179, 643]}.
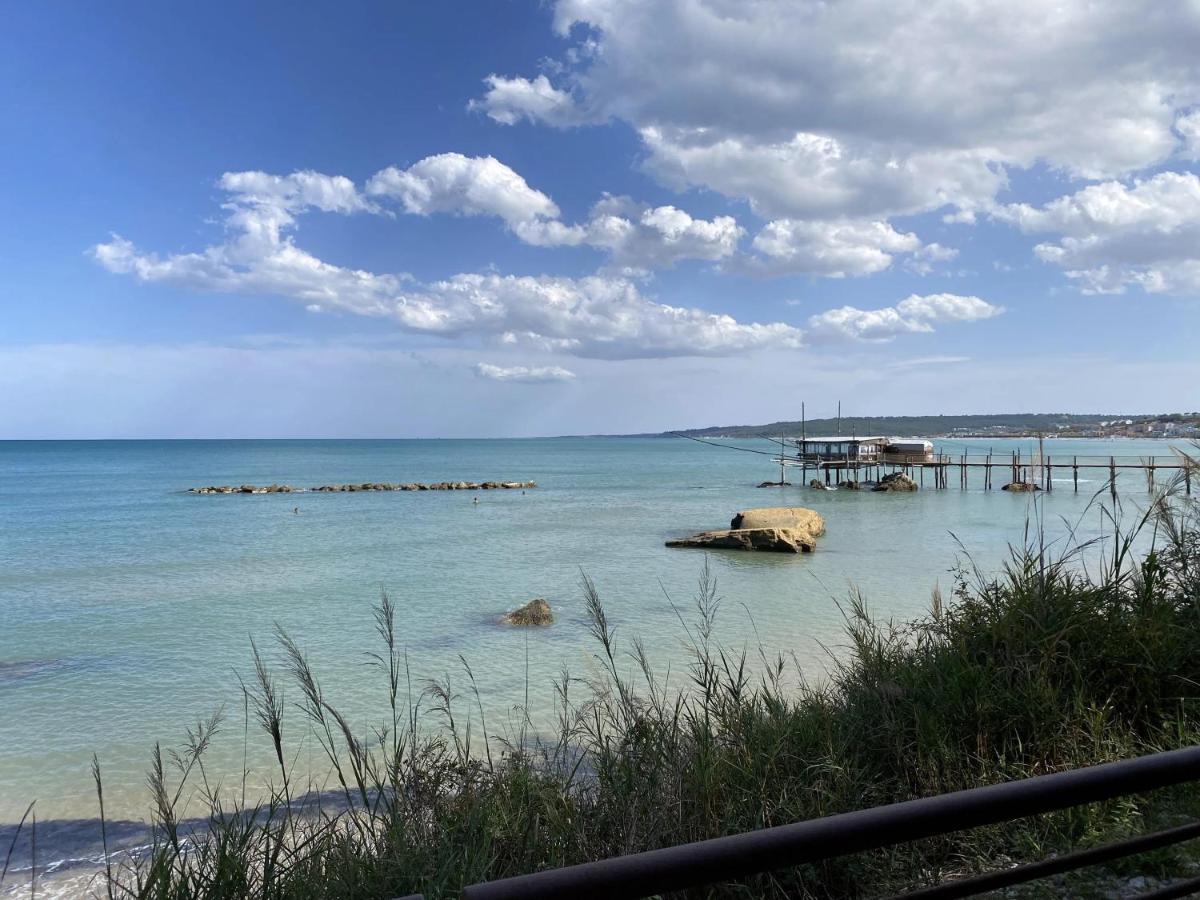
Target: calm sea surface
{"type": "Point", "coordinates": [127, 606]}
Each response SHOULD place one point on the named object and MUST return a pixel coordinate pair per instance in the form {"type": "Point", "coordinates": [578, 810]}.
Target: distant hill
{"type": "Point", "coordinates": [913, 426]}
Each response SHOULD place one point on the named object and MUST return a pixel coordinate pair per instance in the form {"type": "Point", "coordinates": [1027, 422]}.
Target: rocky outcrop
{"type": "Point", "coordinates": [897, 481]}
{"type": "Point", "coordinates": [781, 529]}
{"type": "Point", "coordinates": [366, 486]}
{"type": "Point", "coordinates": [535, 612]}
{"type": "Point", "coordinates": [776, 484]}
{"type": "Point", "coordinates": [1021, 487]}
{"type": "Point", "coordinates": [796, 518]}
{"type": "Point", "coordinates": [817, 485]}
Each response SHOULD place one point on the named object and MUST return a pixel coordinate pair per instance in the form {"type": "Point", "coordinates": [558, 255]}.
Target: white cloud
{"type": "Point", "coordinates": [635, 235]}
{"type": "Point", "coordinates": [852, 109]}
{"type": "Point", "coordinates": [915, 314]}
{"type": "Point", "coordinates": [922, 261]}
{"type": "Point", "coordinates": [1188, 127]}
{"type": "Point", "coordinates": [947, 308]}
{"type": "Point", "coordinates": [922, 362]}
{"type": "Point", "coordinates": [1111, 235]}
{"type": "Point", "coordinates": [463, 185]}
{"type": "Point", "coordinates": [593, 316]}
{"type": "Point", "coordinates": [640, 236]}
{"type": "Point", "coordinates": [509, 100]}
{"type": "Point", "coordinates": [834, 249]}
{"type": "Point", "coordinates": [812, 176]}
{"type": "Point", "coordinates": [524, 374]}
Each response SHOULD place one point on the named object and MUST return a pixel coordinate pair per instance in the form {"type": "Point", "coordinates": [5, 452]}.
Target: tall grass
{"type": "Point", "coordinates": [1054, 663]}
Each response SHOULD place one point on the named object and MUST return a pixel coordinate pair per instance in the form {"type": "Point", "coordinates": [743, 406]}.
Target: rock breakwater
{"type": "Point", "coordinates": [364, 486]}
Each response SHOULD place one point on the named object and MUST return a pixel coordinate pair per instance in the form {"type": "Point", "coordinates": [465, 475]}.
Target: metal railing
{"type": "Point", "coordinates": [738, 856]}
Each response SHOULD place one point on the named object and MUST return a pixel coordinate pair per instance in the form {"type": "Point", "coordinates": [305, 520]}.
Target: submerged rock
{"type": "Point", "coordinates": [1021, 486]}
{"type": "Point", "coordinates": [776, 484]}
{"type": "Point", "coordinates": [897, 481]}
{"type": "Point", "coordinates": [817, 485]}
{"type": "Point", "coordinates": [535, 612]}
{"type": "Point", "coordinates": [780, 529]}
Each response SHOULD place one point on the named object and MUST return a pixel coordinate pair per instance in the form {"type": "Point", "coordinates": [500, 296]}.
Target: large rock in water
{"type": "Point", "coordinates": [897, 481]}
{"type": "Point", "coordinates": [780, 529]}
{"type": "Point", "coordinates": [535, 612]}
{"type": "Point", "coordinates": [793, 517]}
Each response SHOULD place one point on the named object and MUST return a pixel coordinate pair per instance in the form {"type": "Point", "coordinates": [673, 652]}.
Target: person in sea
{"type": "Point", "coordinates": [296, 511]}
{"type": "Point", "coordinates": [476, 501]}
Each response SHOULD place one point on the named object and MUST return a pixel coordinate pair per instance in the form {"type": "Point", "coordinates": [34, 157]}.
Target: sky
{"type": "Point", "coordinates": [592, 216]}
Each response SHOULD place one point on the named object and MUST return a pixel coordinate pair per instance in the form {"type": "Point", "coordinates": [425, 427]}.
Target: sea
{"type": "Point", "coordinates": [129, 606]}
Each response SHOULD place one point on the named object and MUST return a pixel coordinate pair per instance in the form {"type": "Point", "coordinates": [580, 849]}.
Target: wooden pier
{"type": "Point", "coordinates": [980, 469]}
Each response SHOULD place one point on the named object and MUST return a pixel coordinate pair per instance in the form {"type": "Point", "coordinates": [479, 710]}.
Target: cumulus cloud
{"type": "Point", "coordinates": [510, 100]}
{"type": "Point", "coordinates": [813, 176]}
{"type": "Point", "coordinates": [1188, 127]}
{"type": "Point", "coordinates": [915, 314]}
{"type": "Point", "coordinates": [1112, 235]}
{"type": "Point", "coordinates": [524, 374]}
{"type": "Point", "coordinates": [834, 249]}
{"type": "Point", "coordinates": [640, 236]}
{"type": "Point", "coordinates": [463, 185]}
{"type": "Point", "coordinates": [811, 109]}
{"type": "Point", "coordinates": [593, 316]}
{"type": "Point", "coordinates": [635, 235]}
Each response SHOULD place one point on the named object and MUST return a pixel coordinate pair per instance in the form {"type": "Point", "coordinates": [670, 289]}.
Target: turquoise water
{"type": "Point", "coordinates": [128, 605]}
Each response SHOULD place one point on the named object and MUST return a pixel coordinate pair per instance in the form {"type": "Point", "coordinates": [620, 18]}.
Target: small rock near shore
{"type": "Point", "coordinates": [1021, 487]}
{"type": "Point", "coordinates": [535, 612]}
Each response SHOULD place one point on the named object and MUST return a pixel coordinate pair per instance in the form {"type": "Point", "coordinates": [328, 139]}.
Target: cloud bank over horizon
{"type": "Point", "coordinates": [685, 189]}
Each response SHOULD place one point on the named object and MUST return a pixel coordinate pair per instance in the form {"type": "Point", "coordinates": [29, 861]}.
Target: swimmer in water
{"type": "Point", "coordinates": [476, 501]}
{"type": "Point", "coordinates": [296, 511]}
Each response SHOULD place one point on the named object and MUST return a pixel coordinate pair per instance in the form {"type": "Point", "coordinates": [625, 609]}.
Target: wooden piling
{"type": "Point", "coordinates": [1112, 476]}
{"type": "Point", "coordinates": [1075, 472]}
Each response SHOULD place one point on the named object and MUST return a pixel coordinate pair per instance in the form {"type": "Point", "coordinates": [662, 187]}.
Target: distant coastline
{"type": "Point", "coordinates": [1001, 425]}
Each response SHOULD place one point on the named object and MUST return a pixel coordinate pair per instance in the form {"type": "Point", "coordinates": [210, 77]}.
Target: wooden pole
{"type": "Point", "coordinates": [1112, 476]}
{"type": "Point", "coordinates": [1075, 472]}
{"type": "Point", "coordinates": [1049, 475]}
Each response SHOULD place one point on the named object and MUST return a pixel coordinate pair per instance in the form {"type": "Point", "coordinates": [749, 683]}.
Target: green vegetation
{"type": "Point", "coordinates": [914, 426]}
{"type": "Point", "coordinates": [1041, 669]}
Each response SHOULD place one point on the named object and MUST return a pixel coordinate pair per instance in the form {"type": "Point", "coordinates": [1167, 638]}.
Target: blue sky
{"type": "Point", "coordinates": [542, 218]}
